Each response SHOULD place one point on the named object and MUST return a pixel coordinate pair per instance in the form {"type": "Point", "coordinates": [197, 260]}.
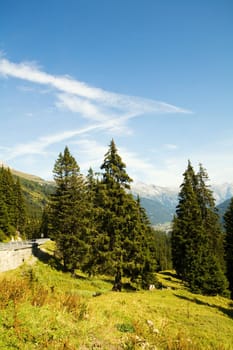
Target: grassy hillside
{"type": "Point", "coordinates": [43, 308]}
{"type": "Point", "coordinates": [27, 176]}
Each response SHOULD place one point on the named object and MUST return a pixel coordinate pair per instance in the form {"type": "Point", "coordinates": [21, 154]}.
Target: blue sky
{"type": "Point", "coordinates": [154, 75]}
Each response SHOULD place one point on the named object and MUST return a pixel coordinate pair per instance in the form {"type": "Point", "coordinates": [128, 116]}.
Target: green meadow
{"type": "Point", "coordinates": [42, 307]}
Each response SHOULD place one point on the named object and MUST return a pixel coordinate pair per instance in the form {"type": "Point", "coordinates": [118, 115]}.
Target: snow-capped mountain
{"type": "Point", "coordinates": [160, 202]}
{"type": "Point", "coordinates": [222, 192]}
{"type": "Point", "coordinates": [162, 194]}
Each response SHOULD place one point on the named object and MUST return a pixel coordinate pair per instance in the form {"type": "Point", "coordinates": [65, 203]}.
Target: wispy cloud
{"type": "Point", "coordinates": [83, 106]}
{"type": "Point", "coordinates": [104, 110]}
{"type": "Point", "coordinates": [39, 146]}
{"type": "Point", "coordinates": [81, 97]}
{"type": "Point", "coordinates": [138, 167]}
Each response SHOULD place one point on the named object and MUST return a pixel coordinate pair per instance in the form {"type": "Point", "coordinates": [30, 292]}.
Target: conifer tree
{"type": "Point", "coordinates": [97, 247]}
{"type": "Point", "coordinates": [195, 231]}
{"type": "Point", "coordinates": [210, 217]}
{"type": "Point", "coordinates": [69, 222]}
{"type": "Point", "coordinates": [110, 203]}
{"type": "Point", "coordinates": [122, 231]}
{"type": "Point", "coordinates": [186, 224]}
{"type": "Point", "coordinates": [114, 168]}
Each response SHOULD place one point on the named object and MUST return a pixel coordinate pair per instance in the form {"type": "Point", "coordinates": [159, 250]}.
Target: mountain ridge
{"type": "Point", "coordinates": [159, 202]}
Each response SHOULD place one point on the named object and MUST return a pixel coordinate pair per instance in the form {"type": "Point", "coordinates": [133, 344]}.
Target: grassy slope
{"type": "Point", "coordinates": [26, 176]}
{"type": "Point", "coordinates": [42, 308]}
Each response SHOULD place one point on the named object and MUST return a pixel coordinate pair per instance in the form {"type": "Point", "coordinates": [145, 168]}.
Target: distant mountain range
{"type": "Point", "coordinates": [160, 202]}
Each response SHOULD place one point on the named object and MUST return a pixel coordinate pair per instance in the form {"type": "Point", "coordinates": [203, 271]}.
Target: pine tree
{"type": "Point", "coordinates": [122, 232]}
{"type": "Point", "coordinates": [187, 225]}
{"type": "Point", "coordinates": [111, 201]}
{"type": "Point", "coordinates": [96, 257]}
{"type": "Point", "coordinates": [114, 168]}
{"type": "Point", "coordinates": [194, 235]}
{"type": "Point", "coordinates": [69, 224]}
{"type": "Point", "coordinates": [228, 224]}
{"type": "Point", "coordinates": [210, 217]}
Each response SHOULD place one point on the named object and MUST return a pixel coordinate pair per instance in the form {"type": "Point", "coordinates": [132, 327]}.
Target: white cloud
{"type": "Point", "coordinates": [83, 106]}
{"type": "Point", "coordinates": [39, 146]}
{"type": "Point", "coordinates": [90, 153]}
{"type": "Point", "coordinates": [167, 173]}
{"type": "Point", "coordinates": [123, 104]}
{"type": "Point", "coordinates": [104, 110]}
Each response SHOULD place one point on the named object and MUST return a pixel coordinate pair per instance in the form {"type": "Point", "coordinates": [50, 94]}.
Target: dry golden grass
{"type": "Point", "coordinates": [42, 308]}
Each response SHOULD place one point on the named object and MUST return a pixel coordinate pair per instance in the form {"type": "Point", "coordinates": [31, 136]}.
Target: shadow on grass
{"type": "Point", "coordinates": [47, 258]}
{"type": "Point", "coordinates": [54, 262]}
{"type": "Point", "coordinates": [227, 312]}
{"type": "Point", "coordinates": [127, 287]}
{"type": "Point", "coordinates": [78, 276]}
{"type": "Point", "coordinates": [169, 274]}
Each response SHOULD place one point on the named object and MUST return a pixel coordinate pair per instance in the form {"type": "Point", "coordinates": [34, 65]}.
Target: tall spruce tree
{"type": "Point", "coordinates": [123, 248]}
{"type": "Point", "coordinates": [98, 243]}
{"type": "Point", "coordinates": [214, 278]}
{"type": "Point", "coordinates": [210, 217]}
{"type": "Point", "coordinates": [68, 212]}
{"type": "Point", "coordinates": [195, 229]}
{"type": "Point", "coordinates": [228, 224]}
{"type": "Point", "coordinates": [187, 226]}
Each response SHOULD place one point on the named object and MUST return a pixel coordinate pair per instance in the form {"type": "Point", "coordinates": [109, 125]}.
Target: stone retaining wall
{"type": "Point", "coordinates": [11, 259]}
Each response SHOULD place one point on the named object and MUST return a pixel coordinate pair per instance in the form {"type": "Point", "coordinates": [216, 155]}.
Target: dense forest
{"type": "Point", "coordinates": [22, 201]}
{"type": "Point", "coordinates": [100, 228]}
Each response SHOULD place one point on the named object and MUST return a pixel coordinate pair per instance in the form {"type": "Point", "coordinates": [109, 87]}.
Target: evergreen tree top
{"type": "Point", "coordinates": [65, 166]}
{"type": "Point", "coordinates": [114, 168]}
